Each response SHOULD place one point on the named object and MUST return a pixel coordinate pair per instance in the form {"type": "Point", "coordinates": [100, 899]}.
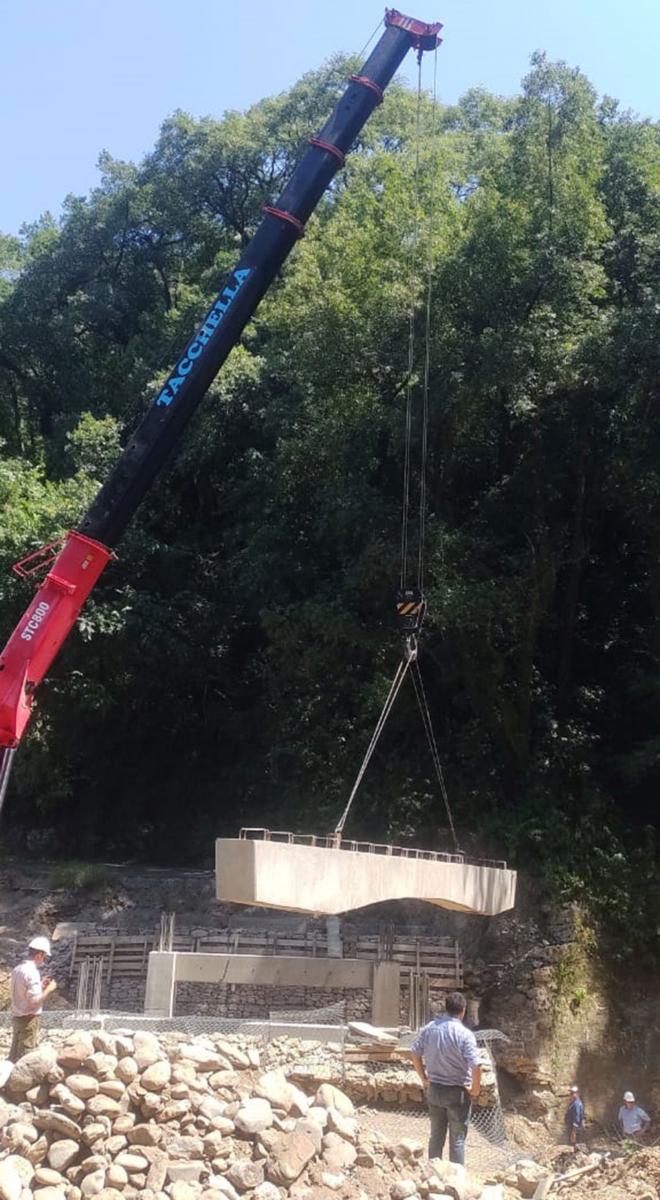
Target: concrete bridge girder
{"type": "Point", "coordinates": [313, 879]}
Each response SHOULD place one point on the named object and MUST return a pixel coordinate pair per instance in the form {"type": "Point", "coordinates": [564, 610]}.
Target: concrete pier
{"type": "Point", "coordinates": [167, 968]}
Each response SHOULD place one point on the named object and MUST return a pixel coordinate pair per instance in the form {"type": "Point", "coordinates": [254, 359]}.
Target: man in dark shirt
{"type": "Point", "coordinates": [574, 1118]}
{"type": "Point", "coordinates": [447, 1061]}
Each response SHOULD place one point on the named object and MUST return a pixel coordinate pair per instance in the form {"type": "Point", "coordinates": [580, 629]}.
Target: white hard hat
{"type": "Point", "coordinates": [575, 1088]}
{"type": "Point", "coordinates": [628, 1096]}
{"type": "Point", "coordinates": [40, 943]}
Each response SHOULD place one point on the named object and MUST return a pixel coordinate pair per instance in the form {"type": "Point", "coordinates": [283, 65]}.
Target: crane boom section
{"type": "Point", "coordinates": [41, 632]}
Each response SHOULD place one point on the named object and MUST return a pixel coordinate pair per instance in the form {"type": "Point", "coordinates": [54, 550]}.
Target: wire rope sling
{"type": "Point", "coordinates": [410, 601]}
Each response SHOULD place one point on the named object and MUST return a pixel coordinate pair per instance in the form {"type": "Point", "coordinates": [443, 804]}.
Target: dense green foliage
{"type": "Point", "coordinates": [232, 663]}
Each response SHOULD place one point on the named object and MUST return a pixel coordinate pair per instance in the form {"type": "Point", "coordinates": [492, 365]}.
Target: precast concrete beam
{"type": "Point", "coordinates": [314, 879]}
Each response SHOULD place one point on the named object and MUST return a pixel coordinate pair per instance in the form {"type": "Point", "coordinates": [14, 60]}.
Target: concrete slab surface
{"type": "Point", "coordinates": [318, 880]}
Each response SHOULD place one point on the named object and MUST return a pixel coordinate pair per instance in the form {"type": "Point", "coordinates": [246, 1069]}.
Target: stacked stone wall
{"type": "Point", "coordinates": [254, 1002]}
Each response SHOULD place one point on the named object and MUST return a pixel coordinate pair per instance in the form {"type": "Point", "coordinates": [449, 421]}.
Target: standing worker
{"type": "Point", "coordinates": [446, 1058]}
{"type": "Point", "coordinates": [633, 1121]}
{"type": "Point", "coordinates": [28, 992]}
{"type": "Point", "coordinates": [574, 1118]}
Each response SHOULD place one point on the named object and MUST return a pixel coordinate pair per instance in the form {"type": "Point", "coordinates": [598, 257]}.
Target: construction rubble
{"type": "Point", "coordinates": [127, 1115]}
{"type": "Point", "coordinates": [170, 1117]}
{"type": "Point", "coordinates": [622, 1174]}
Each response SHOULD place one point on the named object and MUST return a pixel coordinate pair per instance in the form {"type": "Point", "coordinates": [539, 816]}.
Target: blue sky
{"type": "Point", "coordinates": [79, 76]}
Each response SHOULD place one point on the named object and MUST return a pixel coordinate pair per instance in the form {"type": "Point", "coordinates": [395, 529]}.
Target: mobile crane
{"type": "Point", "coordinates": [74, 567]}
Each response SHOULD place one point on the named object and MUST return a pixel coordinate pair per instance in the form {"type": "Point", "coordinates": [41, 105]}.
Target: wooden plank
{"type": "Point", "coordinates": [110, 961]}
{"type": "Point", "coordinates": [406, 944]}
{"type": "Point", "coordinates": [98, 939]}
{"type": "Point", "coordinates": [73, 955]}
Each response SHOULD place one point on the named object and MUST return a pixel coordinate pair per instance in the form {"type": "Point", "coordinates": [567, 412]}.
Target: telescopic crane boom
{"type": "Point", "coordinates": [75, 567]}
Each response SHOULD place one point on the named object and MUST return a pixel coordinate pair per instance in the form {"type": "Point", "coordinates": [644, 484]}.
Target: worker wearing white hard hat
{"type": "Point", "coordinates": [28, 992]}
{"type": "Point", "coordinates": [40, 944]}
{"type": "Point", "coordinates": [574, 1118]}
{"type": "Point", "coordinates": [633, 1121]}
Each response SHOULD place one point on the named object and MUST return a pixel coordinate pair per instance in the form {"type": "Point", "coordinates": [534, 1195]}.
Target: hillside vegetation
{"type": "Point", "coordinates": [233, 662]}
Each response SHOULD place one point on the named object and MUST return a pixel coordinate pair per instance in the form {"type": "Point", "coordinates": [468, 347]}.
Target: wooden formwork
{"type": "Point", "coordinates": [126, 956]}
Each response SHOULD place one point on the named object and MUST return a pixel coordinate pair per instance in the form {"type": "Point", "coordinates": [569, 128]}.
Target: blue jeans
{"type": "Point", "coordinates": [449, 1109]}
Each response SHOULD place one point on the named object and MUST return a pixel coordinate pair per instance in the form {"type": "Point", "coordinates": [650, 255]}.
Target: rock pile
{"type": "Point", "coordinates": [368, 1082]}
{"type": "Point", "coordinates": [117, 1116]}
{"type": "Point", "coordinates": [613, 1175]}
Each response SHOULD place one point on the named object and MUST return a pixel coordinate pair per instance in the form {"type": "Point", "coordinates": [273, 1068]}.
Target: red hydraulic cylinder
{"type": "Point", "coordinates": [44, 627]}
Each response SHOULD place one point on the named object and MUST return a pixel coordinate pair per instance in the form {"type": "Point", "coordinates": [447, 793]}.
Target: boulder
{"type": "Point", "coordinates": [408, 1149]}
{"type": "Point", "coordinates": [93, 1183]}
{"type": "Point", "coordinates": [333, 1180]}
{"type": "Point", "coordinates": [54, 1122]}
{"type": "Point", "coordinates": [103, 1106]}
{"type": "Point", "coordinates": [275, 1087]}
{"type": "Point", "coordinates": [444, 1176]}
{"type": "Point", "coordinates": [73, 1106]}
{"type": "Point", "coordinates": [402, 1189]}
{"type": "Point", "coordinates": [245, 1175]}
{"type": "Point", "coordinates": [223, 1125]}
{"type": "Point", "coordinates": [37, 1151]}
{"type": "Point", "coordinates": [116, 1176]}
{"type": "Point", "coordinates": [101, 1065]}
{"type": "Point", "coordinates": [267, 1191]}
{"type": "Point", "coordinates": [203, 1058]}
{"type": "Point", "coordinates": [91, 1163]}
{"type": "Point", "coordinates": [289, 1156]}
{"type": "Point", "coordinates": [37, 1067]}
{"type": "Point", "coordinates": [157, 1076]}
{"type": "Point", "coordinates": [526, 1175]}
{"type": "Point", "coordinates": [189, 1172]}
{"type": "Point", "coordinates": [181, 1189]}
{"type": "Point", "coordinates": [132, 1163]}
{"type": "Point", "coordinates": [123, 1123]}
{"type": "Point", "coordinates": [346, 1127]}
{"type": "Point", "coordinates": [331, 1097]}
{"type": "Point", "coordinates": [312, 1130]}
{"type": "Point", "coordinates": [106, 1042]}
{"type": "Point", "coordinates": [63, 1153]}
{"type": "Point", "coordinates": [94, 1132]}
{"type": "Point", "coordinates": [185, 1146]}
{"type": "Point", "coordinates": [222, 1185]}
{"type": "Point", "coordinates": [157, 1173]}
{"type": "Point", "coordinates": [225, 1079]}
{"type": "Point", "coordinates": [235, 1056]}
{"type": "Point", "coordinates": [319, 1115]}
{"type": "Point", "coordinates": [127, 1069]}
{"type": "Point", "coordinates": [83, 1086]}
{"type": "Point", "coordinates": [338, 1154]}
{"type": "Point", "coordinates": [254, 1115]}
{"type": "Point", "coordinates": [7, 1111]}
{"type": "Point", "coordinates": [76, 1049]}
{"type": "Point", "coordinates": [146, 1049]}
{"type": "Point", "coordinates": [19, 1136]}
{"type": "Point", "coordinates": [210, 1107]}
{"type": "Point", "coordinates": [22, 1167]}
{"type": "Point", "coordinates": [47, 1177]}
{"type": "Point", "coordinates": [144, 1135]}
